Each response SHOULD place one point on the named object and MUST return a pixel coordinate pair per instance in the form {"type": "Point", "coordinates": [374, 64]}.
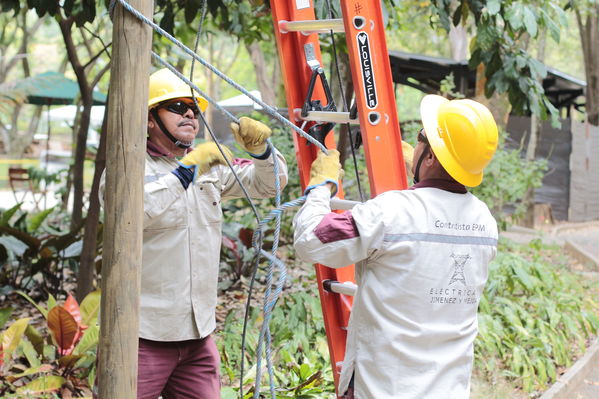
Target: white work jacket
{"type": "Point", "coordinates": [421, 265]}
{"type": "Point", "coordinates": [182, 239]}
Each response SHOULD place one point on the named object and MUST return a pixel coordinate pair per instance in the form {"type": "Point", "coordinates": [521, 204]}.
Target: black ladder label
{"type": "Point", "coordinates": [366, 67]}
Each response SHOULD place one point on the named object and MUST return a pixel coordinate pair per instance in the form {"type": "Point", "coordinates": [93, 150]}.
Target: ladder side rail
{"type": "Point", "coordinates": [375, 97]}
{"type": "Point", "coordinates": [296, 75]}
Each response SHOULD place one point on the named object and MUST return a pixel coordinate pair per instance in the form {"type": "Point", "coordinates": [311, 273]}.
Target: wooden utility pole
{"type": "Point", "coordinates": [123, 202]}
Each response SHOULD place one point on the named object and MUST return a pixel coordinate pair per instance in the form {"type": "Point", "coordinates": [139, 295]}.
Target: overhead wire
{"type": "Point", "coordinates": [270, 110]}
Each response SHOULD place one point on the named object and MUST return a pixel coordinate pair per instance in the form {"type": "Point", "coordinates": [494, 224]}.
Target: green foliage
{"type": "Point", "coordinates": [31, 364]}
{"type": "Point", "coordinates": [41, 177]}
{"type": "Point", "coordinates": [534, 315]}
{"type": "Point", "coordinates": [502, 31]}
{"type": "Point", "coordinates": [447, 87]}
{"type": "Point", "coordinates": [299, 349]}
{"type": "Point", "coordinates": [34, 250]}
{"type": "Point", "coordinates": [507, 179]}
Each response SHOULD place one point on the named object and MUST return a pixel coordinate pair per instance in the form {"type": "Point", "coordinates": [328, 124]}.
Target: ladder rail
{"type": "Point", "coordinates": [297, 74]}
{"type": "Point", "coordinates": [377, 116]}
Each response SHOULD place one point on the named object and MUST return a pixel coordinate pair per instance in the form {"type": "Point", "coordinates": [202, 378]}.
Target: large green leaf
{"type": "Point", "coordinates": [6, 215]}
{"type": "Point", "coordinates": [514, 15]}
{"type": "Point", "coordinates": [35, 338]}
{"type": "Point", "coordinates": [530, 21]}
{"type": "Point", "coordinates": [36, 220]}
{"type": "Point", "coordinates": [90, 306]}
{"type": "Point", "coordinates": [51, 301]}
{"type": "Point", "coordinates": [493, 6]}
{"type": "Point", "coordinates": [30, 353]}
{"type": "Point", "coordinates": [42, 368]}
{"type": "Point", "coordinates": [41, 385]}
{"type": "Point", "coordinates": [14, 245]}
{"type": "Point", "coordinates": [12, 336]}
{"type": "Point", "coordinates": [88, 341]}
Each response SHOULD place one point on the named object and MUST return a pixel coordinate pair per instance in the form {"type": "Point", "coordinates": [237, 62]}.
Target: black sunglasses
{"type": "Point", "coordinates": [421, 137]}
{"type": "Point", "coordinates": [181, 107]}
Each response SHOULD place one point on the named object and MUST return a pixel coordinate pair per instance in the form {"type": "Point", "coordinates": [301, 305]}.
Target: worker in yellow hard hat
{"type": "Point", "coordinates": [183, 190]}
{"type": "Point", "coordinates": [421, 259]}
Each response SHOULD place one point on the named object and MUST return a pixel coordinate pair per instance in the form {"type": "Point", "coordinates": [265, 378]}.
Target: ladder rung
{"type": "Point", "coordinates": [346, 288]}
{"type": "Point", "coordinates": [314, 26]}
{"type": "Point", "coordinates": [329, 116]}
{"type": "Point", "coordinates": [343, 205]}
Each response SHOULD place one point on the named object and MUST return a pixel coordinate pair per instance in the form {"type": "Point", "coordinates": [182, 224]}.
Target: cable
{"type": "Point", "coordinates": [195, 50]}
{"type": "Point", "coordinates": [270, 110]}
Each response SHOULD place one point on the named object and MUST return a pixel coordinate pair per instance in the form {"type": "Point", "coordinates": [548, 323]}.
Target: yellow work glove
{"type": "Point", "coordinates": [251, 135]}
{"type": "Point", "coordinates": [325, 169]}
{"type": "Point", "coordinates": [205, 156]}
{"type": "Point", "coordinates": [408, 157]}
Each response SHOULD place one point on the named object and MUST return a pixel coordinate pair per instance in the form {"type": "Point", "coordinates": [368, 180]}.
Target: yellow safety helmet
{"type": "Point", "coordinates": [165, 85]}
{"type": "Point", "coordinates": [462, 134]}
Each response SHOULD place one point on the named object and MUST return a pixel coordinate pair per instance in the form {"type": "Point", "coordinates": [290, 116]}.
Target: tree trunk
{"type": "Point", "coordinates": [265, 85]}
{"type": "Point", "coordinates": [498, 104]}
{"type": "Point", "coordinates": [531, 149]}
{"type": "Point", "coordinates": [86, 99]}
{"type": "Point", "coordinates": [87, 265]}
{"type": "Point", "coordinates": [458, 40]}
{"type": "Point", "coordinates": [589, 37]}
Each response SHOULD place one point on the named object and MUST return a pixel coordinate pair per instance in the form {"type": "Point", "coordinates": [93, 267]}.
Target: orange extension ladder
{"type": "Point", "coordinates": [309, 102]}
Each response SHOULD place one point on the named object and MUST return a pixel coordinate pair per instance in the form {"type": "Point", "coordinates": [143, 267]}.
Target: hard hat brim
{"type": "Point", "coordinates": [429, 112]}
{"type": "Point", "coordinates": [202, 102]}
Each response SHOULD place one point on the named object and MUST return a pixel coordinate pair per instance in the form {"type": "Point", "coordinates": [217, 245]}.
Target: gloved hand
{"type": "Point", "coordinates": [325, 169]}
{"type": "Point", "coordinates": [251, 135]}
{"type": "Point", "coordinates": [205, 156]}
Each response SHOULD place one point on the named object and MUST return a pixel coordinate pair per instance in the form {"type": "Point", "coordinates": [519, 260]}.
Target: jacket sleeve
{"type": "Point", "coordinates": [256, 175]}
{"type": "Point", "coordinates": [336, 240]}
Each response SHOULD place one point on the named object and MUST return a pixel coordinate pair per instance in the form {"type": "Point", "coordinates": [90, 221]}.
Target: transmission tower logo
{"type": "Point", "coordinates": [459, 261]}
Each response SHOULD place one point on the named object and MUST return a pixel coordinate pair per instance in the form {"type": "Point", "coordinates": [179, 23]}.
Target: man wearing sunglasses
{"type": "Point", "coordinates": [183, 190]}
{"type": "Point", "coordinates": [421, 259]}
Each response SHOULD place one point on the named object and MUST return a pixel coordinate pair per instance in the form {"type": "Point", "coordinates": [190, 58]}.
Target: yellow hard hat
{"type": "Point", "coordinates": [462, 134]}
{"type": "Point", "coordinates": [165, 85]}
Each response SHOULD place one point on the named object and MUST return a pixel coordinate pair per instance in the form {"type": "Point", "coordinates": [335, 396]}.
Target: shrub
{"type": "Point", "coordinates": [534, 316]}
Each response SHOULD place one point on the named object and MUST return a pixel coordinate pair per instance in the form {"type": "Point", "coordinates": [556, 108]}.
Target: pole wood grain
{"type": "Point", "coordinates": [123, 203]}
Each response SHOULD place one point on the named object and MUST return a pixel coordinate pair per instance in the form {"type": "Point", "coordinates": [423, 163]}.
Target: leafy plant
{"type": "Point", "coordinates": [507, 179]}
{"type": "Point", "coordinates": [300, 355]}
{"type": "Point", "coordinates": [534, 316]}
{"type": "Point", "coordinates": [32, 251]}
{"type": "Point", "coordinates": [448, 88]}
{"type": "Point", "coordinates": [42, 178]}
{"type": "Point", "coordinates": [33, 364]}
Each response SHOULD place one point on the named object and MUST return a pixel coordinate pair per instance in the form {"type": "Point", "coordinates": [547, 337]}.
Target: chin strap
{"type": "Point", "coordinates": [168, 134]}
{"type": "Point", "coordinates": [417, 171]}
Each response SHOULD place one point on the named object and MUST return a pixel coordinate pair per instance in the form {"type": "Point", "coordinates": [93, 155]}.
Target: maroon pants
{"type": "Point", "coordinates": [178, 370]}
